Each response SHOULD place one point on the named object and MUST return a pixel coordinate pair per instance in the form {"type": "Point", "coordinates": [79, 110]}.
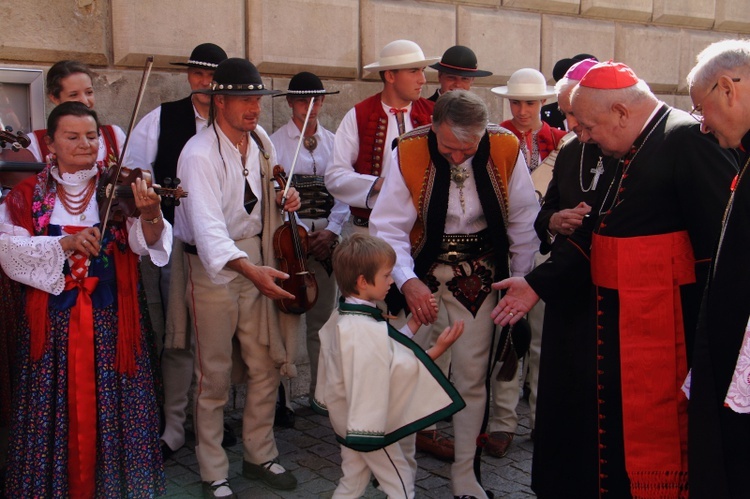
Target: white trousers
{"type": "Point", "coordinates": [394, 467]}
{"type": "Point", "coordinates": [221, 315]}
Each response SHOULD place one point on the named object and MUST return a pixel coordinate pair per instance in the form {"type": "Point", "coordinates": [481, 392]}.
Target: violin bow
{"type": "Point", "coordinates": [138, 100]}
{"type": "Point", "coordinates": [296, 152]}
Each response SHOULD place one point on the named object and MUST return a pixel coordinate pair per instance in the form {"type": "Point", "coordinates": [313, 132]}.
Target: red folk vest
{"type": "Point", "coordinates": [372, 127]}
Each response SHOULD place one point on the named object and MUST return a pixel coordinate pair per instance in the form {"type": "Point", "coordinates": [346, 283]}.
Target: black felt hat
{"type": "Point", "coordinates": [563, 65]}
{"type": "Point", "coordinates": [306, 84]}
{"type": "Point", "coordinates": [205, 55]}
{"type": "Point", "coordinates": [237, 76]}
{"type": "Point", "coordinates": [460, 61]}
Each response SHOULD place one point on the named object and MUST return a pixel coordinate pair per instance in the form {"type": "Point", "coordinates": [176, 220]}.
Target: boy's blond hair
{"type": "Point", "coordinates": [360, 255]}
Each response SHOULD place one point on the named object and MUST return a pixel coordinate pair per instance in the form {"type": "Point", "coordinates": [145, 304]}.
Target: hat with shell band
{"type": "Point", "coordinates": [205, 55]}
{"type": "Point", "coordinates": [306, 84]}
{"type": "Point", "coordinates": [237, 76]}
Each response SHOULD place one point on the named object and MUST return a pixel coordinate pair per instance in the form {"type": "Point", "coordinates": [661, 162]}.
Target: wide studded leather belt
{"type": "Point", "coordinates": [460, 247]}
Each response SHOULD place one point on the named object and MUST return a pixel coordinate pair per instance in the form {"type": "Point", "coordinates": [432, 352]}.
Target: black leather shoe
{"type": "Point", "coordinates": [229, 439]}
{"type": "Point", "coordinates": [284, 417]}
{"type": "Point", "coordinates": [219, 488]}
{"type": "Point", "coordinates": [271, 473]}
{"type": "Point", "coordinates": [166, 451]}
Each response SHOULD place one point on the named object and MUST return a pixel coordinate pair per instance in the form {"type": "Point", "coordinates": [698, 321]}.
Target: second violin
{"type": "Point", "coordinates": [290, 248]}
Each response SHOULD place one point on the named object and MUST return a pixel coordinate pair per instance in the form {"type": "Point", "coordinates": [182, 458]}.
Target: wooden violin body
{"type": "Point", "coordinates": [290, 247]}
{"type": "Point", "coordinates": [123, 203]}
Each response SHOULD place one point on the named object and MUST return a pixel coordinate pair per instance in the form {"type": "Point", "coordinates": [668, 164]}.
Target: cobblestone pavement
{"type": "Point", "coordinates": [311, 452]}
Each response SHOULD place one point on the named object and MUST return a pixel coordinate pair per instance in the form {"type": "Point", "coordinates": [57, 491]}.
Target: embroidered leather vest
{"type": "Point", "coordinates": [498, 149]}
{"type": "Point", "coordinates": [177, 126]}
{"type": "Point", "coordinates": [372, 127]}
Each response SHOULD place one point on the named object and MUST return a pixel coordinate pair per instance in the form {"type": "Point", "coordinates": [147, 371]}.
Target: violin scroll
{"type": "Point", "coordinates": [17, 142]}
{"type": "Point", "coordinates": [123, 203]}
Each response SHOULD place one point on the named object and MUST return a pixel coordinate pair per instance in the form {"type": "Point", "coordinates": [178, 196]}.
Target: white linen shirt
{"type": "Point", "coordinates": [285, 141]}
{"type": "Point", "coordinates": [394, 216]}
{"type": "Point", "coordinates": [144, 141]}
{"type": "Point", "coordinates": [352, 188]}
{"type": "Point", "coordinates": [213, 216]}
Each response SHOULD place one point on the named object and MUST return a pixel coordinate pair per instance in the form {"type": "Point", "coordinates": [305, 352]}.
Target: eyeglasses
{"type": "Point", "coordinates": [697, 111]}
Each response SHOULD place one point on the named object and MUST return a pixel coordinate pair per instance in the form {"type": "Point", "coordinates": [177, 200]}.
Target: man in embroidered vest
{"type": "Point", "coordinates": [361, 151]}
{"type": "Point", "coordinates": [320, 213]}
{"type": "Point", "coordinates": [227, 224]}
{"type": "Point", "coordinates": [647, 246]}
{"type": "Point", "coordinates": [158, 152]}
{"type": "Point", "coordinates": [460, 204]}
{"type": "Point", "coordinates": [457, 70]}
{"type": "Point", "coordinates": [719, 422]}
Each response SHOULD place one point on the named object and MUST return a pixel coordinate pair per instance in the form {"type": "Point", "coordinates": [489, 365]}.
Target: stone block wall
{"type": "Point", "coordinates": [335, 38]}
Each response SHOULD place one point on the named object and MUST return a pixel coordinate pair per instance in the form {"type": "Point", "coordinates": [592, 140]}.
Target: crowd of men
{"type": "Point", "coordinates": [638, 362]}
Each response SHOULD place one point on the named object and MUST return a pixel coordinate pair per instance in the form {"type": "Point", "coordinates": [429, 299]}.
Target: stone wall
{"type": "Point", "coordinates": [335, 38]}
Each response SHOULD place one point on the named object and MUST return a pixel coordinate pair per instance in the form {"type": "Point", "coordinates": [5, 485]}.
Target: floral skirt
{"type": "Point", "coordinates": [128, 461]}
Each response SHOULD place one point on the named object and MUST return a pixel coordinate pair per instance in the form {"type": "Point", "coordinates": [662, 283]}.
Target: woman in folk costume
{"type": "Point", "coordinates": [85, 419]}
{"type": "Point", "coordinates": [72, 81]}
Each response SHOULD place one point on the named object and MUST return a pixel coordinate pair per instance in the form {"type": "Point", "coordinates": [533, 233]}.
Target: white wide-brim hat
{"type": "Point", "coordinates": [526, 84]}
{"type": "Point", "coordinates": [401, 54]}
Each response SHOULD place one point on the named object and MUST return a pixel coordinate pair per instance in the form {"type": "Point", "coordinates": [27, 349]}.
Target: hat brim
{"type": "Point", "coordinates": [375, 66]}
{"type": "Point", "coordinates": [311, 93]}
{"type": "Point", "coordinates": [503, 92]}
{"type": "Point", "coordinates": [237, 92]}
{"type": "Point", "coordinates": [468, 73]}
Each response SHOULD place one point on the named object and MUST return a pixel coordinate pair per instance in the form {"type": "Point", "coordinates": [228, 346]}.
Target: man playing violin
{"type": "Point", "coordinates": [150, 149]}
{"type": "Point", "coordinates": [227, 225]}
{"type": "Point", "coordinates": [323, 216]}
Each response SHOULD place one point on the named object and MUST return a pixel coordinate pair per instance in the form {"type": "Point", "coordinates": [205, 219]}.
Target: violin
{"type": "Point", "coordinates": [123, 202]}
{"type": "Point", "coordinates": [290, 246]}
{"type": "Point", "coordinates": [17, 142]}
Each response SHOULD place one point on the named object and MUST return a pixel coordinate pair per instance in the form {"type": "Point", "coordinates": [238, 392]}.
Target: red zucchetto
{"type": "Point", "coordinates": [609, 76]}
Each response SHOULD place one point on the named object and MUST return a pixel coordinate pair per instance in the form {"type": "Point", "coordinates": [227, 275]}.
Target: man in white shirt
{"type": "Point", "coordinates": [460, 204]}
{"type": "Point", "coordinates": [227, 224]}
{"type": "Point", "coordinates": [320, 213]}
{"type": "Point", "coordinates": [158, 152]}
{"type": "Point", "coordinates": [361, 152]}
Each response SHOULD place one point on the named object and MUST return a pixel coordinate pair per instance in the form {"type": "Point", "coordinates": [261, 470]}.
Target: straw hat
{"type": "Point", "coordinates": [401, 54]}
{"type": "Point", "coordinates": [525, 84]}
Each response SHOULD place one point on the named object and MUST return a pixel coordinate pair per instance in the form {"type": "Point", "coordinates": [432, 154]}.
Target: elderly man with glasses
{"type": "Point", "coordinates": [719, 423]}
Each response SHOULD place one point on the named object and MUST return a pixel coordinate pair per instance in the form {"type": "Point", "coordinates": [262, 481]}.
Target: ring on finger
{"type": "Point", "coordinates": [511, 314]}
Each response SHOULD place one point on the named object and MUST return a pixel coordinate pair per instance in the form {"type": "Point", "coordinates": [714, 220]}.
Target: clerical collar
{"type": "Point", "coordinates": [658, 106]}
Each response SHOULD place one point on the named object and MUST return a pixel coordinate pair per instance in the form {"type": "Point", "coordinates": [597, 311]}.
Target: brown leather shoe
{"type": "Point", "coordinates": [498, 443]}
{"type": "Point", "coordinates": [431, 442]}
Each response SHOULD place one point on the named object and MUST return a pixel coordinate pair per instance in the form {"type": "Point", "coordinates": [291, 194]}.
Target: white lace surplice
{"type": "Point", "coordinates": [738, 395]}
